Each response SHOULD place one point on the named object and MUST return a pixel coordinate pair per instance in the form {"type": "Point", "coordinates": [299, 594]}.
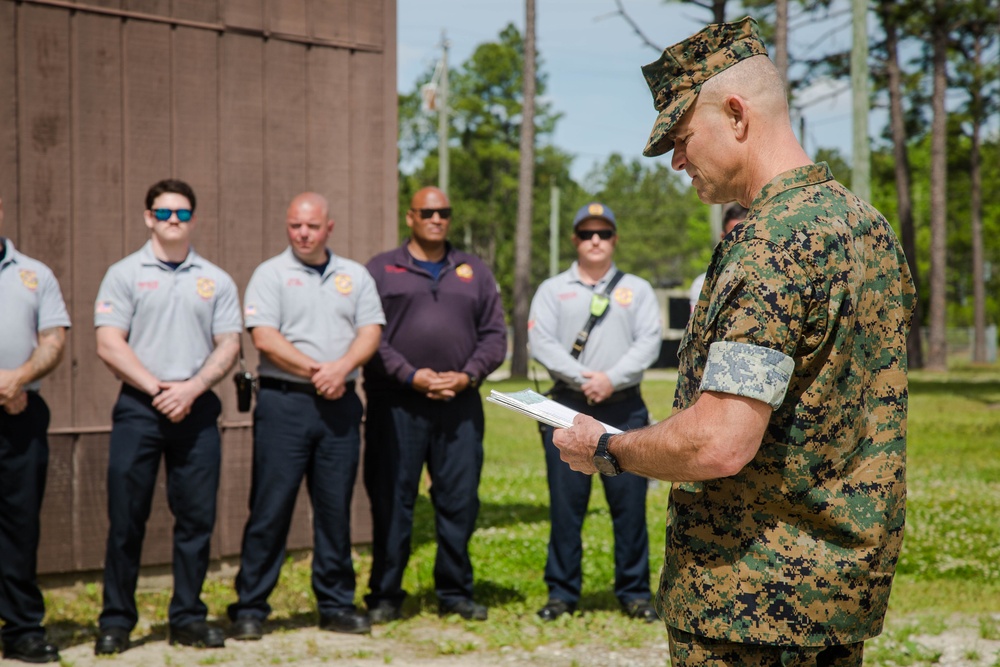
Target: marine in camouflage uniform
{"type": "Point", "coordinates": [780, 548]}
{"type": "Point", "coordinates": [811, 293]}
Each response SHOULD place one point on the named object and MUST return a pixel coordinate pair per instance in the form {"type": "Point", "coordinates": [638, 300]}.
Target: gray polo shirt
{"type": "Point", "coordinates": [171, 316]}
{"type": "Point", "coordinates": [318, 314]}
{"type": "Point", "coordinates": [30, 301]}
{"type": "Point", "coordinates": [623, 344]}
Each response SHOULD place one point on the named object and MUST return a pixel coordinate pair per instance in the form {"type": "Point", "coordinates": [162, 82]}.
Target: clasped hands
{"type": "Point", "coordinates": [440, 386]}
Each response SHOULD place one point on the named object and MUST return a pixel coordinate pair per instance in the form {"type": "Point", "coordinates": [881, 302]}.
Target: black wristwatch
{"type": "Point", "coordinates": [605, 461]}
{"type": "Point", "coordinates": [473, 380]}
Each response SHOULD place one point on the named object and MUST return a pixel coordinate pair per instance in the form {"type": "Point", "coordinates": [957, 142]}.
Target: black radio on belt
{"type": "Point", "coordinates": [245, 384]}
{"type": "Point", "coordinates": [244, 389]}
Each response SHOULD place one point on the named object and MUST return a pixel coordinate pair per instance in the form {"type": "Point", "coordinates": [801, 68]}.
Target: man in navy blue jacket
{"type": "Point", "coordinates": [444, 332]}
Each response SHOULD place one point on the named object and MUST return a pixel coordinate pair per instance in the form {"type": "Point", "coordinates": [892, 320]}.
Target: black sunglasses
{"type": "Point", "coordinates": [163, 214]}
{"type": "Point", "coordinates": [587, 234]}
{"type": "Point", "coordinates": [428, 213]}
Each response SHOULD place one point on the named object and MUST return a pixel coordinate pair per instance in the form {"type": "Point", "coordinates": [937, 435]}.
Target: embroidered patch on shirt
{"type": "Point", "coordinates": [624, 296]}
{"type": "Point", "coordinates": [464, 272]}
{"type": "Point", "coordinates": [250, 309]}
{"type": "Point", "coordinates": [206, 288]}
{"type": "Point", "coordinates": [343, 283]}
{"type": "Point", "coordinates": [29, 279]}
{"type": "Point", "coordinates": [103, 308]}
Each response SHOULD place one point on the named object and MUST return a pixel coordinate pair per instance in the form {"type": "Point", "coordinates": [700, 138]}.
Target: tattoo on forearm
{"type": "Point", "coordinates": [46, 356]}
{"type": "Point", "coordinates": [221, 360]}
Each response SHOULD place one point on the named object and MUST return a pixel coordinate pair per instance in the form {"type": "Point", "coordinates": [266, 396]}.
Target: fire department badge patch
{"type": "Point", "coordinates": [343, 283]}
{"type": "Point", "coordinates": [464, 272]}
{"type": "Point", "coordinates": [206, 288]}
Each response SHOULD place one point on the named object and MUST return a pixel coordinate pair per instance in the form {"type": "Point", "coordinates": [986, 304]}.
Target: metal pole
{"type": "Point", "coordinates": [443, 118]}
{"type": "Point", "coordinates": [861, 152]}
{"type": "Point", "coordinates": [554, 232]}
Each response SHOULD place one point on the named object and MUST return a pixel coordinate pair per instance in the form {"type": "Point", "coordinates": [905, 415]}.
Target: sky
{"type": "Point", "coordinates": [593, 57]}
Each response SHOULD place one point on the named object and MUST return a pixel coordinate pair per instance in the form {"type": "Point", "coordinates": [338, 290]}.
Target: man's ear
{"type": "Point", "coordinates": [737, 115]}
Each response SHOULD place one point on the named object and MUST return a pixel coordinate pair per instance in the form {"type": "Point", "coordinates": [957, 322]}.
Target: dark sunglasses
{"type": "Point", "coordinates": [428, 213]}
{"type": "Point", "coordinates": [163, 214]}
{"type": "Point", "coordinates": [587, 234]}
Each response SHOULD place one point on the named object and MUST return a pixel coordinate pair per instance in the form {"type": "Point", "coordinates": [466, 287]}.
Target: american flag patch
{"type": "Point", "coordinates": [250, 309]}
{"type": "Point", "coordinates": [103, 308]}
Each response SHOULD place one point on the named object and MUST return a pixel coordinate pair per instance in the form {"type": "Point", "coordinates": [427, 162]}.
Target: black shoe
{"type": "Point", "coordinates": [111, 640]}
{"type": "Point", "coordinates": [348, 621]}
{"type": "Point", "coordinates": [198, 634]}
{"type": "Point", "coordinates": [467, 609]}
{"type": "Point", "coordinates": [31, 648]}
{"type": "Point", "coordinates": [385, 612]}
{"type": "Point", "coordinates": [555, 608]}
{"type": "Point", "coordinates": [641, 609]}
{"type": "Point", "coordinates": [247, 628]}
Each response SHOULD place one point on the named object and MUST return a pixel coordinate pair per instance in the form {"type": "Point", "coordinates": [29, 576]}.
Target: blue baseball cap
{"type": "Point", "coordinates": [595, 210]}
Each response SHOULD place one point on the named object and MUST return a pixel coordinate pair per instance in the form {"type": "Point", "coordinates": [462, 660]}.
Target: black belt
{"type": "Point", "coordinates": [136, 393]}
{"type": "Point", "coordinates": [296, 387]}
{"type": "Point", "coordinates": [617, 397]}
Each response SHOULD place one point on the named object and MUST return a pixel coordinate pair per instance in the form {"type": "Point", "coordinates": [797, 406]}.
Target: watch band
{"type": "Point", "coordinates": [605, 461]}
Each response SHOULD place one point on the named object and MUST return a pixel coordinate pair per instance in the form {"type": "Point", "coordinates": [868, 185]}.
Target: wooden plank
{"type": "Point", "coordinates": [390, 174]}
{"type": "Point", "coordinates": [43, 222]}
{"type": "Point", "coordinates": [55, 548]}
{"type": "Point", "coordinates": [285, 131]}
{"type": "Point", "coordinates": [286, 16]}
{"type": "Point", "coordinates": [328, 169]}
{"type": "Point", "coordinates": [329, 19]}
{"type": "Point", "coordinates": [368, 21]}
{"type": "Point", "coordinates": [368, 134]}
{"type": "Point", "coordinates": [90, 501]}
{"type": "Point", "coordinates": [196, 128]}
{"type": "Point", "coordinates": [147, 153]}
{"type": "Point", "coordinates": [114, 4]}
{"type": "Point", "coordinates": [155, 7]}
{"type": "Point", "coordinates": [197, 10]}
{"type": "Point", "coordinates": [97, 203]}
{"type": "Point", "coordinates": [247, 14]}
{"type": "Point", "coordinates": [241, 169]}
{"type": "Point", "coordinates": [234, 491]}
{"type": "Point", "coordinates": [8, 115]}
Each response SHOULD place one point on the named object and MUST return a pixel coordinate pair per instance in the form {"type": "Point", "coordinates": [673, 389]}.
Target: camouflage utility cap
{"type": "Point", "coordinates": [675, 78]}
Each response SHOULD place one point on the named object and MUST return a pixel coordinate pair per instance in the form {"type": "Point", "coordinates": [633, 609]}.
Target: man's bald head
{"type": "Point", "coordinates": [429, 197]}
{"type": "Point", "coordinates": [310, 201]}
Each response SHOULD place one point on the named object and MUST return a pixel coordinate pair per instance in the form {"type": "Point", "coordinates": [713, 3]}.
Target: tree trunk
{"type": "Point", "coordinates": [781, 40]}
{"type": "Point", "coordinates": [976, 177]}
{"type": "Point", "coordinates": [901, 155]}
{"type": "Point", "coordinates": [522, 239]}
{"type": "Point", "coordinates": [937, 357]}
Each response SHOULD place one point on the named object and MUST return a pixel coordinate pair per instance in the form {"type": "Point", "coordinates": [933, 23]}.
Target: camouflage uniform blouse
{"type": "Point", "coordinates": [812, 293]}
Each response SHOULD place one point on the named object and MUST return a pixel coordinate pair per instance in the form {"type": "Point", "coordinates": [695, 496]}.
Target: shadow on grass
{"type": "Point", "coordinates": [491, 515]}
{"type": "Point", "coordinates": [986, 393]}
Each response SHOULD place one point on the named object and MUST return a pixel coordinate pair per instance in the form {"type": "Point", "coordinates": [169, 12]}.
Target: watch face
{"type": "Point", "coordinates": [605, 465]}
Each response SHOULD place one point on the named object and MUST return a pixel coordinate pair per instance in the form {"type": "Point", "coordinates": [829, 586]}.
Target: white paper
{"type": "Point", "coordinates": [532, 404]}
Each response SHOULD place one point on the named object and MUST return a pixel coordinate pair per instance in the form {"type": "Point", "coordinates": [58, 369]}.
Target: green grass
{"type": "Point", "coordinates": [950, 561]}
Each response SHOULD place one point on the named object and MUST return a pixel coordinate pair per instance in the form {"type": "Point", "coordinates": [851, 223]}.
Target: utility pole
{"type": "Point", "coordinates": [442, 104]}
{"type": "Point", "coordinates": [860, 152]}
{"type": "Point", "coordinates": [554, 232]}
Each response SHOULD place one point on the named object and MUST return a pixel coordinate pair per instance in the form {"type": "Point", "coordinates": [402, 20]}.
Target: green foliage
{"type": "Point", "coordinates": [663, 229]}
{"type": "Point", "coordinates": [958, 273]}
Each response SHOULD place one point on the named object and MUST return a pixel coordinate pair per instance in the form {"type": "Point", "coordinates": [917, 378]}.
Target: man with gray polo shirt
{"type": "Point", "coordinates": [315, 318]}
{"type": "Point", "coordinates": [32, 338]}
{"type": "Point", "coordinates": [596, 329]}
{"type": "Point", "coordinates": [168, 324]}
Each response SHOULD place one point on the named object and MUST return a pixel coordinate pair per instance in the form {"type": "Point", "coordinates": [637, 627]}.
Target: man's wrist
{"type": "Point", "coordinates": [473, 380]}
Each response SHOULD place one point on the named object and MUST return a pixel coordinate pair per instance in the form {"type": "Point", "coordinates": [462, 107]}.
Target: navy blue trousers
{"type": "Point", "coordinates": [295, 436]}
{"type": "Point", "coordinates": [569, 494]}
{"type": "Point", "coordinates": [24, 460]}
{"type": "Point", "coordinates": [403, 430]}
{"type": "Point", "coordinates": [140, 437]}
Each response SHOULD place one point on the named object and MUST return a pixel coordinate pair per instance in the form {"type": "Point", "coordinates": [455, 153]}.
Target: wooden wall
{"type": "Point", "coordinates": [250, 101]}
